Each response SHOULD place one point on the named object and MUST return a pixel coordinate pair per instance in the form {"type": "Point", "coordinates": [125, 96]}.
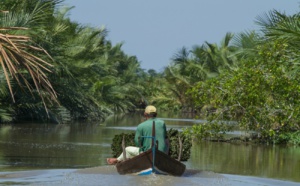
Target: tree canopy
{"type": "Point", "coordinates": [57, 70]}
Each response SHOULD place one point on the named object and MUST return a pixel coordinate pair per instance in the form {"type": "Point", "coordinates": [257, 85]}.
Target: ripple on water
{"type": "Point", "coordinates": [107, 175]}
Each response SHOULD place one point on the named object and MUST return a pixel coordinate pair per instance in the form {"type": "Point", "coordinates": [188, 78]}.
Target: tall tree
{"type": "Point", "coordinates": [20, 55]}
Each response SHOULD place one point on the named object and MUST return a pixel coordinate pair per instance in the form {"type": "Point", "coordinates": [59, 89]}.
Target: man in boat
{"type": "Point", "coordinates": [145, 129]}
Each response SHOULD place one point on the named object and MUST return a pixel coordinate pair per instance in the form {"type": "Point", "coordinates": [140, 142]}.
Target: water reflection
{"type": "Point", "coordinates": [55, 149]}
{"type": "Point", "coordinates": [255, 160]}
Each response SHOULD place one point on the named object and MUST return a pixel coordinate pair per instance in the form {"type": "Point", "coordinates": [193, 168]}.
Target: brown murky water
{"type": "Point", "coordinates": [38, 154]}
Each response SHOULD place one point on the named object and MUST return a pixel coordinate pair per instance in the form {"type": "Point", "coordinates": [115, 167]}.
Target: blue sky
{"type": "Point", "coordinates": [155, 30]}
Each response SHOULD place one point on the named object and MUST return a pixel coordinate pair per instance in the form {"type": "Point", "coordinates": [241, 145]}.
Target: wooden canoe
{"type": "Point", "coordinates": [143, 164]}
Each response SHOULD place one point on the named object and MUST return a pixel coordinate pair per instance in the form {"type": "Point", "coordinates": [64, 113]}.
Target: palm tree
{"type": "Point", "coordinates": [190, 67]}
{"type": "Point", "coordinates": [215, 58]}
{"type": "Point", "coordinates": [245, 44]}
{"type": "Point", "coordinates": [20, 56]}
{"type": "Point", "coordinates": [284, 33]}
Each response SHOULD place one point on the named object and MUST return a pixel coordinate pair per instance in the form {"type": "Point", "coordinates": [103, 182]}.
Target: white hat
{"type": "Point", "coordinates": [149, 109]}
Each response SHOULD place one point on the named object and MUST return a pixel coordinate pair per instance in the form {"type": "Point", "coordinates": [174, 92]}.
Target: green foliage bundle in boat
{"type": "Point", "coordinates": [177, 142]}
{"type": "Point", "coordinates": [116, 145]}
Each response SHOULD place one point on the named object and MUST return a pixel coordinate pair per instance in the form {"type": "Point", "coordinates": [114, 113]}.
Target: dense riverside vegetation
{"type": "Point", "coordinates": [57, 70]}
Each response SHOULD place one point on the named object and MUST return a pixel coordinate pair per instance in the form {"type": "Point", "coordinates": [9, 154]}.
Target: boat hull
{"type": "Point", "coordinates": [143, 164]}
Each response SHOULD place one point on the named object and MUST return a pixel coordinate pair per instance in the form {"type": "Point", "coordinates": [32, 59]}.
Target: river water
{"type": "Point", "coordinates": [40, 154]}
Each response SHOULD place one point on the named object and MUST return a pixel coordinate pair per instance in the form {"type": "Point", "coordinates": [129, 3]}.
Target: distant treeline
{"type": "Point", "coordinates": [57, 70]}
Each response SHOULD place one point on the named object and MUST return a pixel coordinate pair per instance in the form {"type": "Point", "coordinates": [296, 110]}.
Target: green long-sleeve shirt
{"type": "Point", "coordinates": [145, 129]}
